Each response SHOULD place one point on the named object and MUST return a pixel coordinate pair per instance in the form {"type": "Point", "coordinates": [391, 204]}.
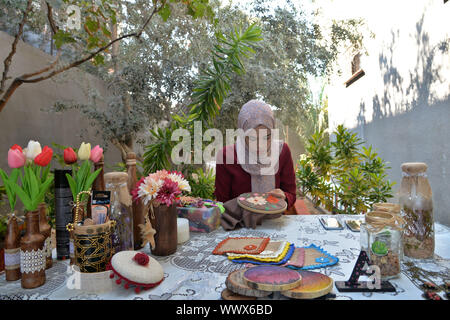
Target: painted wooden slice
{"type": "Point", "coordinates": [314, 285]}
{"type": "Point", "coordinates": [261, 203]}
{"type": "Point", "coordinates": [230, 295]}
{"type": "Point", "coordinates": [235, 283]}
{"type": "Point", "coordinates": [271, 278]}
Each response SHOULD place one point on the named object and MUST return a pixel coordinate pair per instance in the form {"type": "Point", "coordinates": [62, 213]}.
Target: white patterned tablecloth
{"type": "Point", "coordinates": [194, 273]}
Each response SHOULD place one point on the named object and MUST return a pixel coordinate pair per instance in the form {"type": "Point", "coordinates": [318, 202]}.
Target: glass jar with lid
{"type": "Point", "coordinates": [417, 211]}
{"type": "Point", "coordinates": [121, 210]}
{"type": "Point", "coordinates": [381, 237]}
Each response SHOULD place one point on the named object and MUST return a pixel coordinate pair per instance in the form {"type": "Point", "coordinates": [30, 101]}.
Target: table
{"type": "Point", "coordinates": [193, 273]}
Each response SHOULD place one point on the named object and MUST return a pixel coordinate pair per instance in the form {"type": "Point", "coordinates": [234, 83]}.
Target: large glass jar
{"type": "Point", "coordinates": [381, 237]}
{"type": "Point", "coordinates": [417, 211]}
{"type": "Point", "coordinates": [121, 211]}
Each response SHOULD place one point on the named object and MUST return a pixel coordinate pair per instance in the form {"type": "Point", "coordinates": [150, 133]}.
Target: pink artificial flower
{"type": "Point", "coordinates": [168, 192]}
{"type": "Point", "coordinates": [160, 175]}
{"type": "Point", "coordinates": [96, 154]}
{"type": "Point", "coordinates": [16, 158]}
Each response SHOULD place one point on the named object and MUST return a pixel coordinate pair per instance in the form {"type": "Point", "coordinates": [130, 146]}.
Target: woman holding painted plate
{"type": "Point", "coordinates": [257, 163]}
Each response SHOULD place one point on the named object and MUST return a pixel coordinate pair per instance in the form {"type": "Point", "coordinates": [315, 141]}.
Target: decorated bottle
{"type": "Point", "coordinates": [46, 231]}
{"type": "Point", "coordinates": [121, 211]}
{"type": "Point", "coordinates": [137, 206]}
{"type": "Point", "coordinates": [12, 250]}
{"type": "Point", "coordinates": [417, 211]}
{"type": "Point", "coordinates": [32, 255]}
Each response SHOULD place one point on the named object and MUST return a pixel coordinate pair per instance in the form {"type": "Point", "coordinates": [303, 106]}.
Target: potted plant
{"type": "Point", "coordinates": [159, 191]}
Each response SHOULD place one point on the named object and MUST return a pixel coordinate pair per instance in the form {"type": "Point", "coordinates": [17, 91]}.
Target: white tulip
{"type": "Point", "coordinates": [33, 149]}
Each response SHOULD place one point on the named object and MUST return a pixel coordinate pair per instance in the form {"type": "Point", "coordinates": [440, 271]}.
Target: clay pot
{"type": "Point", "coordinates": [164, 222]}
{"type": "Point", "coordinates": [32, 255]}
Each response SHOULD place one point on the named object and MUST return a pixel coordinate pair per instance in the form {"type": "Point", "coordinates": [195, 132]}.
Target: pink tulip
{"type": "Point", "coordinates": [96, 154]}
{"type": "Point", "coordinates": [16, 158]}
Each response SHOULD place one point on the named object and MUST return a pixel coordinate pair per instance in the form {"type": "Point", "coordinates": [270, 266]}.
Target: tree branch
{"type": "Point", "coordinates": [51, 21]}
{"type": "Point", "coordinates": [25, 78]}
{"type": "Point", "coordinates": [8, 59]}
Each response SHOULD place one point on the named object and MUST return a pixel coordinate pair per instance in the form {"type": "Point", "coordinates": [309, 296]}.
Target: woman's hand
{"type": "Point", "coordinates": [277, 193]}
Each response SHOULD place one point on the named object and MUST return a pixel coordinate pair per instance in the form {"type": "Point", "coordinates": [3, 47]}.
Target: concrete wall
{"type": "Point", "coordinates": [22, 119]}
{"type": "Point", "coordinates": [401, 105]}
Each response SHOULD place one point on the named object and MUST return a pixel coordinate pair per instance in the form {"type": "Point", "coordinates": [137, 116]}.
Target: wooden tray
{"type": "Point", "coordinates": [271, 278]}
{"type": "Point", "coordinates": [235, 283]}
{"type": "Point", "coordinates": [268, 204]}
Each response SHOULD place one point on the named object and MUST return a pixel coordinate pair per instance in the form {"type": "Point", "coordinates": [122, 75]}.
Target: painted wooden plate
{"type": "Point", "coordinates": [230, 295]}
{"type": "Point", "coordinates": [235, 283]}
{"type": "Point", "coordinates": [314, 285]}
{"type": "Point", "coordinates": [271, 278]}
{"type": "Point", "coordinates": [261, 203]}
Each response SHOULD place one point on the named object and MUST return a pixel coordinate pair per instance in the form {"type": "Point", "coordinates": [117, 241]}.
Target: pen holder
{"type": "Point", "coordinates": [92, 243]}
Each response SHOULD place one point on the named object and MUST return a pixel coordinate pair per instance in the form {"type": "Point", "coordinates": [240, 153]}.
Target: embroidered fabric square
{"type": "Point", "coordinates": [316, 257]}
{"type": "Point", "coordinates": [283, 258]}
{"type": "Point", "coordinates": [242, 245]}
{"type": "Point", "coordinates": [274, 252]}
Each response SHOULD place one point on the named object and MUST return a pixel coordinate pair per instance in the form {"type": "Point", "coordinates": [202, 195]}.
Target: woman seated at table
{"type": "Point", "coordinates": [257, 162]}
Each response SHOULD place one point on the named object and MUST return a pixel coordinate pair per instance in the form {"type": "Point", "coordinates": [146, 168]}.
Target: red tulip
{"type": "Point", "coordinates": [70, 156]}
{"type": "Point", "coordinates": [17, 147]}
{"type": "Point", "coordinates": [43, 159]}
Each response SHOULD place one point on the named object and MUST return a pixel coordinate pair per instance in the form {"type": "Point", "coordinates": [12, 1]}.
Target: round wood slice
{"type": "Point", "coordinates": [235, 283]}
{"type": "Point", "coordinates": [314, 285]}
{"type": "Point", "coordinates": [230, 295]}
{"type": "Point", "coordinates": [271, 278]}
{"type": "Point", "coordinates": [267, 204]}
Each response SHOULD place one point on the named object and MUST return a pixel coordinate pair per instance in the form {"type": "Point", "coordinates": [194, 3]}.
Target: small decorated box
{"type": "Point", "coordinates": [203, 214]}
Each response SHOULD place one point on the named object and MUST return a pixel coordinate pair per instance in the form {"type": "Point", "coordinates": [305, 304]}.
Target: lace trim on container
{"type": "Point", "coordinates": [32, 261]}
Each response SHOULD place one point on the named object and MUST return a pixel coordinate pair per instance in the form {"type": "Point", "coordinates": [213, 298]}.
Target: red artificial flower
{"type": "Point", "coordinates": [168, 192]}
{"type": "Point", "coordinates": [69, 156]}
{"type": "Point", "coordinates": [141, 258]}
{"type": "Point", "coordinates": [43, 159]}
{"type": "Point", "coordinates": [17, 147]}
{"type": "Point", "coordinates": [134, 192]}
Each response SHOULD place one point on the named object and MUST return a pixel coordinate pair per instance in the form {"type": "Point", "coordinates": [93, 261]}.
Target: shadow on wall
{"type": "Point", "coordinates": [410, 123]}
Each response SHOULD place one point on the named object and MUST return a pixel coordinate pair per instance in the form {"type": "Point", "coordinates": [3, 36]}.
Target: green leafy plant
{"type": "Point", "coordinates": [341, 175]}
{"type": "Point", "coordinates": [82, 179]}
{"type": "Point", "coordinates": [210, 89]}
{"type": "Point", "coordinates": [202, 183]}
{"type": "Point", "coordinates": [7, 189]}
{"type": "Point", "coordinates": [33, 188]}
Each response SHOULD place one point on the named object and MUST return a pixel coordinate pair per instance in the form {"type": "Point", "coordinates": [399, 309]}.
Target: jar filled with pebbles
{"type": "Point", "coordinates": [384, 242]}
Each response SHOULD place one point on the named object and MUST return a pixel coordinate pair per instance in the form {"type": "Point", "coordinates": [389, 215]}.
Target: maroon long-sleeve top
{"type": "Point", "coordinates": [232, 180]}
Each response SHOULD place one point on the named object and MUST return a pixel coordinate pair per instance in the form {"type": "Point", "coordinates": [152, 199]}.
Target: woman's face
{"type": "Point", "coordinates": [258, 140]}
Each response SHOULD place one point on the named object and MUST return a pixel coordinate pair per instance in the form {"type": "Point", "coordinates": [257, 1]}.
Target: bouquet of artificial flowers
{"type": "Point", "coordinates": [161, 187]}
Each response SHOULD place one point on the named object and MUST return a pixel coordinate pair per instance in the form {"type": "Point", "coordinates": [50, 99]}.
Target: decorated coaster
{"type": "Point", "coordinates": [271, 278]}
{"type": "Point", "coordinates": [283, 260]}
{"type": "Point", "coordinates": [235, 283]}
{"type": "Point", "coordinates": [230, 295]}
{"type": "Point", "coordinates": [261, 203]}
{"type": "Point", "coordinates": [136, 269]}
{"type": "Point", "coordinates": [316, 257]}
{"type": "Point", "coordinates": [245, 245]}
{"type": "Point", "coordinates": [274, 252]}
{"type": "Point", "coordinates": [297, 259]}
{"type": "Point", "coordinates": [314, 285]}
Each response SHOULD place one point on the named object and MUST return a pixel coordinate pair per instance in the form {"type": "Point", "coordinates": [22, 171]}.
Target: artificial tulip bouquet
{"type": "Point", "coordinates": [82, 176]}
{"type": "Point", "coordinates": [35, 178]}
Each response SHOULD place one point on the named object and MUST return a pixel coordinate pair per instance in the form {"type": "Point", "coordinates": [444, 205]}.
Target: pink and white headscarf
{"type": "Point", "coordinates": [262, 168]}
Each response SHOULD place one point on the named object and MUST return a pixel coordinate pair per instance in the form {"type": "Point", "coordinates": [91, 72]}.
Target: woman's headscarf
{"type": "Point", "coordinates": [261, 169]}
